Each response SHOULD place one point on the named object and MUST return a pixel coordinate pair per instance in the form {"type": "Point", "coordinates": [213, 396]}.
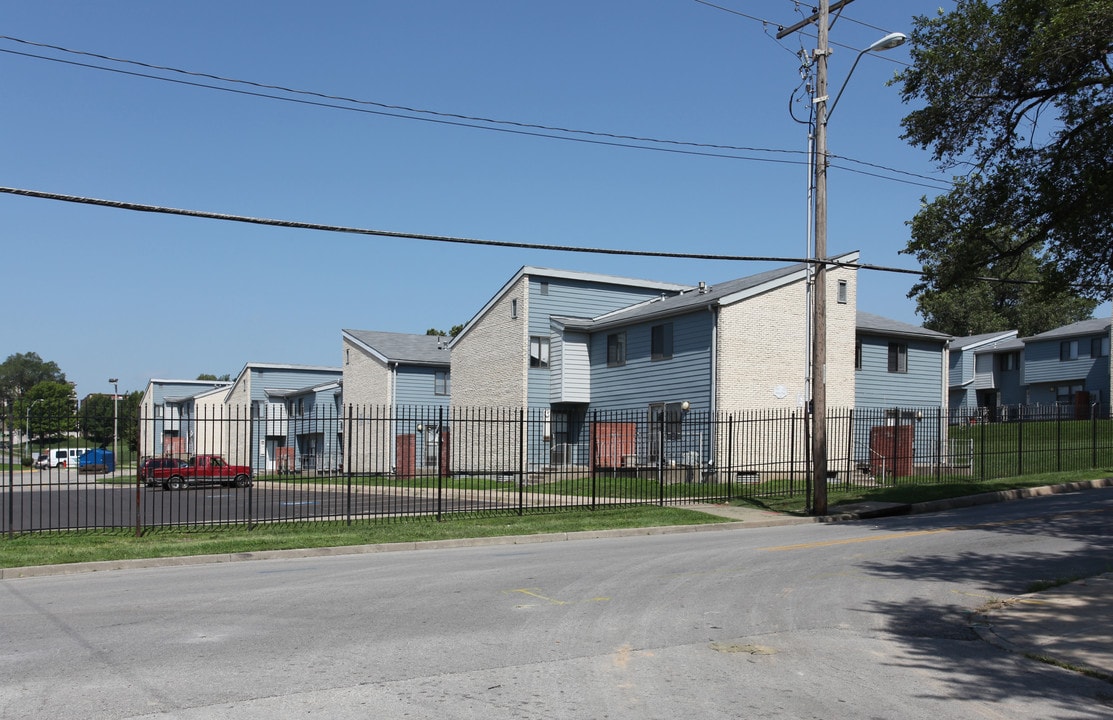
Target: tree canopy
{"type": "Point", "coordinates": [23, 371]}
{"type": "Point", "coordinates": [1018, 94]}
{"type": "Point", "coordinates": [1019, 301]}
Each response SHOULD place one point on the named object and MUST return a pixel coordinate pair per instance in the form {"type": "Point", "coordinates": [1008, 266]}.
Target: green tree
{"type": "Point", "coordinates": [209, 376]}
{"type": "Point", "coordinates": [971, 307]}
{"type": "Point", "coordinates": [97, 418]}
{"type": "Point", "coordinates": [129, 419]}
{"type": "Point", "coordinates": [22, 371]}
{"type": "Point", "coordinates": [49, 409]}
{"type": "Point", "coordinates": [441, 333]}
{"type": "Point", "coordinates": [1018, 93]}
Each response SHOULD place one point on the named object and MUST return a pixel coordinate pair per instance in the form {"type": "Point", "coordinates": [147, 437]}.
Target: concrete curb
{"type": "Point", "coordinates": [864, 512]}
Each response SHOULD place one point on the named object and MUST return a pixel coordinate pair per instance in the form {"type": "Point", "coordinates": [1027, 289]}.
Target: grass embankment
{"type": "Point", "coordinates": [68, 547]}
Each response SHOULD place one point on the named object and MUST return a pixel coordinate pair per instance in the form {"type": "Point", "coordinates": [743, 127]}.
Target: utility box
{"type": "Point", "coordinates": [891, 450]}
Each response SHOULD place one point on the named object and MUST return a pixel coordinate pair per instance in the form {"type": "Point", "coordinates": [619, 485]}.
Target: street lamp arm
{"type": "Point", "coordinates": [888, 42]}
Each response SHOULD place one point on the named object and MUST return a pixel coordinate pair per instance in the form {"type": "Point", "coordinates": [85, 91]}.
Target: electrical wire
{"type": "Point", "coordinates": [299, 225]}
{"type": "Point", "coordinates": [324, 100]}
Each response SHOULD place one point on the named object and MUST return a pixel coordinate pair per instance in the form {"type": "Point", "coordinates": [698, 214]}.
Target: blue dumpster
{"type": "Point", "coordinates": [97, 460]}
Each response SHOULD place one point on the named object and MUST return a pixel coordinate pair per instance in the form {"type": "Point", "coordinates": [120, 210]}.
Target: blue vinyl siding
{"type": "Point", "coordinates": [571, 298]}
{"type": "Point", "coordinates": [921, 386]}
{"type": "Point", "coordinates": [1044, 369]}
{"type": "Point", "coordinates": [641, 381]}
{"type": "Point", "coordinates": [416, 385]}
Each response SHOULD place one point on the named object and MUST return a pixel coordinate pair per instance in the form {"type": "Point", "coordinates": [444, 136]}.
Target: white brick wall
{"type": "Point", "coordinates": [490, 363]}
{"type": "Point", "coordinates": [762, 355]}
{"type": "Point", "coordinates": [366, 379]}
{"type": "Point", "coordinates": [367, 393]}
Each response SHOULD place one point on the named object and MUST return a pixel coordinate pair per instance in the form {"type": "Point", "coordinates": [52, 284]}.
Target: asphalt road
{"type": "Point", "coordinates": [77, 501]}
{"type": "Point", "coordinates": [847, 620]}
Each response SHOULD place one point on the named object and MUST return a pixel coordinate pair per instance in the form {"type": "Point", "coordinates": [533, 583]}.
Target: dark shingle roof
{"type": "Point", "coordinates": [1093, 326]}
{"type": "Point", "coordinates": [403, 347]}
{"type": "Point", "coordinates": [870, 323]}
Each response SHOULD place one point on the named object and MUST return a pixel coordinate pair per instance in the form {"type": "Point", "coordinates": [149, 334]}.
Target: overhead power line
{"type": "Point", "coordinates": [339, 102]}
{"type": "Point", "coordinates": [271, 222]}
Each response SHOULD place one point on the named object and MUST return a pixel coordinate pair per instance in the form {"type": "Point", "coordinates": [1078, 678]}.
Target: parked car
{"type": "Point", "coordinates": [147, 467]}
{"type": "Point", "coordinates": [202, 470]}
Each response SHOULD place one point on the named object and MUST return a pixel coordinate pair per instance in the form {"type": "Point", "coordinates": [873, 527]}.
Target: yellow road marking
{"type": "Point", "coordinates": [872, 538]}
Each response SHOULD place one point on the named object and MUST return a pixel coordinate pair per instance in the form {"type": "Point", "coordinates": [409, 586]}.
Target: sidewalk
{"type": "Point", "coordinates": [1071, 625]}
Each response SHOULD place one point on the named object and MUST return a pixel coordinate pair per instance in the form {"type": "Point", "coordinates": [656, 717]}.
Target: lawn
{"type": "Point", "coordinates": [68, 547]}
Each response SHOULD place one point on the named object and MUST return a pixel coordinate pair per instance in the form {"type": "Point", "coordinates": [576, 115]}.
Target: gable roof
{"type": "Point", "coordinates": [1008, 345]}
{"type": "Point", "coordinates": [1093, 326]}
{"type": "Point", "coordinates": [982, 339]}
{"type": "Point", "coordinates": [402, 348]}
{"type": "Point", "coordinates": [534, 271]}
{"type": "Point", "coordinates": [877, 325]}
{"type": "Point", "coordinates": [701, 296]}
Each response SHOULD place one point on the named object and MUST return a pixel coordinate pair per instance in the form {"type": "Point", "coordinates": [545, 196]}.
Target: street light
{"type": "Point", "coordinates": [819, 302]}
{"type": "Point", "coordinates": [115, 419]}
{"type": "Point", "coordinates": [27, 427]}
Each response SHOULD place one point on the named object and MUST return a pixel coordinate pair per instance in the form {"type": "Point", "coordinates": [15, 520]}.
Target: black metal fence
{"type": "Point", "coordinates": [375, 463]}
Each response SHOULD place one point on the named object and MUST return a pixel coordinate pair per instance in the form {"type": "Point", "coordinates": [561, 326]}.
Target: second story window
{"type": "Point", "coordinates": [1099, 347]}
{"type": "Point", "coordinates": [858, 355]}
{"type": "Point", "coordinates": [1068, 350]}
{"type": "Point", "coordinates": [440, 383]}
{"type": "Point", "coordinates": [616, 349]}
{"type": "Point", "coordinates": [898, 358]}
{"type": "Point", "coordinates": [1008, 361]}
{"type": "Point", "coordinates": [842, 293]}
{"type": "Point", "coordinates": [538, 352]}
{"type": "Point", "coordinates": [661, 341]}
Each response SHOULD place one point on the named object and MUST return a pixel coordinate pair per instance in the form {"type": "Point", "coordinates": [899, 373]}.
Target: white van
{"type": "Point", "coordinates": [64, 457]}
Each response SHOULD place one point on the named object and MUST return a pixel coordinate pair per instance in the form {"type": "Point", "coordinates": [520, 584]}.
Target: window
{"type": "Point", "coordinates": [661, 341]}
{"type": "Point", "coordinates": [898, 358]}
{"type": "Point", "coordinates": [1099, 347]}
{"type": "Point", "coordinates": [858, 355]}
{"type": "Point", "coordinates": [616, 349]}
{"type": "Point", "coordinates": [440, 382]}
{"type": "Point", "coordinates": [538, 352]}
{"type": "Point", "coordinates": [842, 292]}
{"type": "Point", "coordinates": [514, 309]}
{"type": "Point", "coordinates": [1008, 361]}
{"type": "Point", "coordinates": [544, 288]}
{"type": "Point", "coordinates": [1068, 350]}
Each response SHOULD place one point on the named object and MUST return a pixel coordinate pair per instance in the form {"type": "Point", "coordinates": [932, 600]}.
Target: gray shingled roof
{"type": "Point", "coordinates": [683, 303]}
{"type": "Point", "coordinates": [868, 322]}
{"type": "Point", "coordinates": [1004, 346]}
{"type": "Point", "coordinates": [1093, 326]}
{"type": "Point", "coordinates": [964, 342]}
{"type": "Point", "coordinates": [403, 347]}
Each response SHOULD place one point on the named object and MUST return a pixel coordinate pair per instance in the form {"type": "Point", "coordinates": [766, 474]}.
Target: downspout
{"type": "Point", "coordinates": [714, 374]}
{"type": "Point", "coordinates": [712, 405]}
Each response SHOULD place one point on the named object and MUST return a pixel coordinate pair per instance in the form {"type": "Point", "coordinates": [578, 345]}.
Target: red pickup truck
{"type": "Point", "coordinates": [202, 470]}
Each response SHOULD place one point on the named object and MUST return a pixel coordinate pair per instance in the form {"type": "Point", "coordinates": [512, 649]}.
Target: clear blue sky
{"type": "Point", "coordinates": [111, 293]}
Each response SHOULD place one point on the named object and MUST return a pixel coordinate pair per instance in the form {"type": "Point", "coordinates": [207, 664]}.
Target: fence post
{"type": "Point", "coordinates": [982, 450]}
{"type": "Point", "coordinates": [11, 479]}
{"type": "Point", "coordinates": [808, 420]}
{"type": "Point", "coordinates": [138, 495]}
{"type": "Point", "coordinates": [593, 451]}
{"type": "Point", "coordinates": [440, 450]}
{"type": "Point", "coordinates": [522, 441]}
{"type": "Point", "coordinates": [1020, 443]}
{"type": "Point", "coordinates": [1094, 435]}
{"type": "Point", "coordinates": [730, 456]}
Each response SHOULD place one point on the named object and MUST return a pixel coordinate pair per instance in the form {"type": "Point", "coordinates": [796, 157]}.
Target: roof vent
{"type": "Point", "coordinates": [702, 287]}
